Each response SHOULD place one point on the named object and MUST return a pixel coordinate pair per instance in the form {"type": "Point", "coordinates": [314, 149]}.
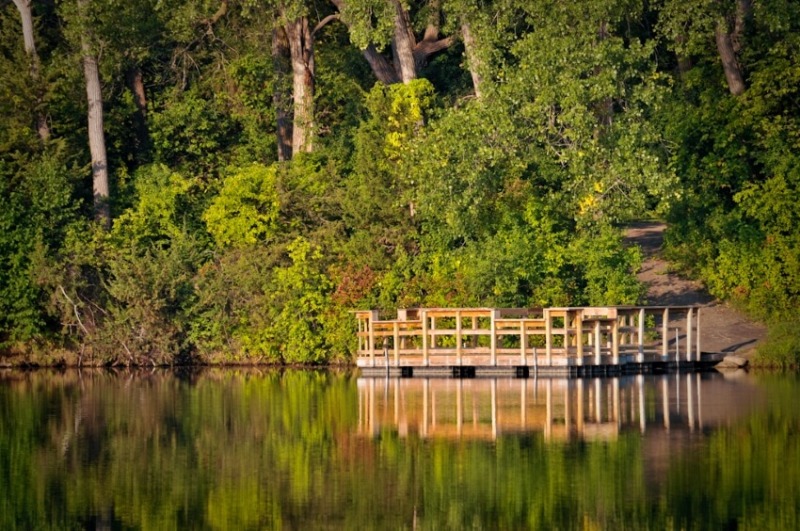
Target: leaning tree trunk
{"type": "Point", "coordinates": [135, 81]}
{"type": "Point", "coordinates": [733, 72]}
{"type": "Point", "coordinates": [24, 7]}
{"type": "Point", "coordinates": [97, 142]}
{"type": "Point", "coordinates": [473, 61]}
{"type": "Point", "coordinates": [301, 48]}
{"type": "Point", "coordinates": [281, 95]}
{"type": "Point", "coordinates": [729, 35]}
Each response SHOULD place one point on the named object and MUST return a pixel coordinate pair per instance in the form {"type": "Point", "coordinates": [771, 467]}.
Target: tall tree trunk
{"type": "Point", "coordinates": [24, 7]}
{"type": "Point", "coordinates": [733, 72]}
{"type": "Point", "coordinates": [382, 68]}
{"type": "Point", "coordinates": [684, 61]}
{"type": "Point", "coordinates": [97, 142]}
{"type": "Point", "coordinates": [473, 62]}
{"type": "Point", "coordinates": [281, 97]}
{"type": "Point", "coordinates": [135, 80]}
{"type": "Point", "coordinates": [403, 44]}
{"type": "Point", "coordinates": [301, 48]}
{"type": "Point", "coordinates": [744, 11]}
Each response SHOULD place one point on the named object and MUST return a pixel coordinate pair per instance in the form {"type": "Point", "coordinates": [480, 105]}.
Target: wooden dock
{"type": "Point", "coordinates": [524, 341]}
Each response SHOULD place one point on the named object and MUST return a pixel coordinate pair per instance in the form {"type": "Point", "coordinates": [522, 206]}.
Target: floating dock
{"type": "Point", "coordinates": [522, 342]}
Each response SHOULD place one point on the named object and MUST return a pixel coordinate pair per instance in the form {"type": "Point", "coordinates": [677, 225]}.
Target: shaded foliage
{"type": "Point", "coordinates": [427, 192]}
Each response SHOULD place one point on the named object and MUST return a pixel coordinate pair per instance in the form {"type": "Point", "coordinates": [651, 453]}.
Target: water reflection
{"type": "Point", "coordinates": [246, 449]}
{"type": "Point", "coordinates": [560, 409]}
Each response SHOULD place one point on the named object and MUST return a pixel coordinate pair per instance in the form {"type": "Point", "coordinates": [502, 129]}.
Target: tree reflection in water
{"type": "Point", "coordinates": [253, 449]}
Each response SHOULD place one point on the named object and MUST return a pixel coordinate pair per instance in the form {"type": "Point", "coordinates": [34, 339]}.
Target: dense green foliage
{"type": "Point", "coordinates": [416, 193]}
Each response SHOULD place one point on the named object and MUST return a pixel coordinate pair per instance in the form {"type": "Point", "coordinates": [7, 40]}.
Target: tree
{"type": "Point", "coordinates": [293, 49]}
{"type": "Point", "coordinates": [374, 24]}
{"type": "Point", "coordinates": [24, 7]}
{"type": "Point", "coordinates": [728, 35]}
{"type": "Point", "coordinates": [81, 23]}
{"type": "Point", "coordinates": [689, 26]}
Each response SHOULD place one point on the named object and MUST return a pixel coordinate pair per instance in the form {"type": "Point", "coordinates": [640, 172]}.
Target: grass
{"type": "Point", "coordinates": [781, 348]}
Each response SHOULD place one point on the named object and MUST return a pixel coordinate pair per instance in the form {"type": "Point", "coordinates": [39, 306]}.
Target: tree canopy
{"type": "Point", "coordinates": [272, 165]}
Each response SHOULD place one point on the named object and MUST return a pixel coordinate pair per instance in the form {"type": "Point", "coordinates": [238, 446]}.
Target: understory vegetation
{"type": "Point", "coordinates": [267, 167]}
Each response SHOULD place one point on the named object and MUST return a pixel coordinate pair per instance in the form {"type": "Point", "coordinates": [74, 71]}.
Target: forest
{"type": "Point", "coordinates": [223, 181]}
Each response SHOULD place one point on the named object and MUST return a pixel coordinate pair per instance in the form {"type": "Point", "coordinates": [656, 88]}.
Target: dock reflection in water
{"type": "Point", "coordinates": [561, 409]}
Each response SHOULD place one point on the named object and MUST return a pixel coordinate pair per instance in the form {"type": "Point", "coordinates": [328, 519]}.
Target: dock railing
{"type": "Point", "coordinates": [529, 337]}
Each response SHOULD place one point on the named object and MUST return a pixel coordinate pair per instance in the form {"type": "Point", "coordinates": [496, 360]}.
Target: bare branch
{"type": "Point", "coordinates": [324, 22]}
{"type": "Point", "coordinates": [75, 309]}
{"type": "Point", "coordinates": [221, 12]}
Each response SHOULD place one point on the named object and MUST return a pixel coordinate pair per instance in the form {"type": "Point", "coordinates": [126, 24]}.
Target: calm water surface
{"type": "Point", "coordinates": [246, 449]}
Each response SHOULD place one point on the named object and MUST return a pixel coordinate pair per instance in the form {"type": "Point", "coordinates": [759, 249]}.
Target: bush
{"type": "Point", "coordinates": [782, 347]}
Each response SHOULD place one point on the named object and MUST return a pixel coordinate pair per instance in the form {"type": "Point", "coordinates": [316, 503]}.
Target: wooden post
{"type": "Point", "coordinates": [372, 338]}
{"type": "Point", "coordinates": [641, 336]}
{"type": "Point", "coordinates": [523, 342]}
{"type": "Point", "coordinates": [396, 339]}
{"type": "Point", "coordinates": [579, 335]}
{"type": "Point", "coordinates": [493, 344]}
{"type": "Point", "coordinates": [689, 348]}
{"type": "Point", "coordinates": [597, 342]}
{"type": "Point", "coordinates": [665, 335]}
{"type": "Point", "coordinates": [699, 353]}
{"type": "Point", "coordinates": [425, 359]}
{"type": "Point", "coordinates": [548, 337]}
{"type": "Point", "coordinates": [458, 336]}
{"type": "Point", "coordinates": [615, 342]}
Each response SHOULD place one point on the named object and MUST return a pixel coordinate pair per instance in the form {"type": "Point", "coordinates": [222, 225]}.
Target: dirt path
{"type": "Point", "coordinates": [723, 328]}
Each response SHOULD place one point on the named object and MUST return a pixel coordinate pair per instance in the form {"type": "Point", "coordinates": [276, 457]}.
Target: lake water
{"type": "Point", "coordinates": [249, 449]}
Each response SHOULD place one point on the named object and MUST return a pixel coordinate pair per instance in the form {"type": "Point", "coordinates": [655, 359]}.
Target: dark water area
{"type": "Point", "coordinates": [249, 449]}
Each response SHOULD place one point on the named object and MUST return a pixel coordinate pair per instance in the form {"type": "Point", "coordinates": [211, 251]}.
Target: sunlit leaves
{"type": "Point", "coordinates": [246, 209]}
